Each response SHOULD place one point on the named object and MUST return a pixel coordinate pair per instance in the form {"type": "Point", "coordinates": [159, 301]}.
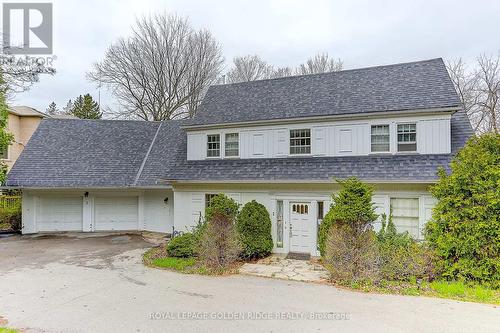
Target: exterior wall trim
{"type": "Point", "coordinates": [367, 115]}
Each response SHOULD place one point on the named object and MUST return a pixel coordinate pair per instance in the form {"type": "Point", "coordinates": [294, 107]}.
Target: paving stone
{"type": "Point", "coordinates": [278, 267]}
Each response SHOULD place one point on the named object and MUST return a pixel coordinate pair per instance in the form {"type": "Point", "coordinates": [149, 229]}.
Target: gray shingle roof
{"type": "Point", "coordinates": [77, 153]}
{"type": "Point", "coordinates": [74, 153]}
{"type": "Point", "coordinates": [408, 86]}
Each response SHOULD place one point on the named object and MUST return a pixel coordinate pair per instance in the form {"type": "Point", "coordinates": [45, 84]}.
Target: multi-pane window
{"type": "Point", "coordinates": [213, 145]}
{"type": "Point", "coordinates": [232, 145]}
{"type": "Point", "coordinates": [405, 215]}
{"type": "Point", "coordinates": [208, 198]}
{"type": "Point", "coordinates": [300, 141]}
{"type": "Point", "coordinates": [407, 137]}
{"type": "Point", "coordinates": [380, 138]}
{"type": "Point", "coordinates": [279, 223]}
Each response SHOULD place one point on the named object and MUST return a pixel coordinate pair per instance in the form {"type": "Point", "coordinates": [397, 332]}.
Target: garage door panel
{"type": "Point", "coordinates": [116, 213]}
{"type": "Point", "coordinates": [59, 214]}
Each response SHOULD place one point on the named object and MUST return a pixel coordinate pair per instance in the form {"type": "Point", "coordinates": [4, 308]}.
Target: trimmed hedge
{"type": "Point", "coordinates": [254, 227]}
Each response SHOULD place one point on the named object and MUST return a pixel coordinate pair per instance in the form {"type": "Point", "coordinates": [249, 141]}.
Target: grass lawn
{"type": "Point", "coordinates": [178, 264]}
{"type": "Point", "coordinates": [158, 257]}
{"type": "Point", "coordinates": [443, 289]}
{"type": "Point", "coordinates": [8, 330]}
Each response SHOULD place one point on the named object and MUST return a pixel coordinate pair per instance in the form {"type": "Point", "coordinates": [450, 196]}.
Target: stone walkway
{"type": "Point", "coordinates": [289, 269]}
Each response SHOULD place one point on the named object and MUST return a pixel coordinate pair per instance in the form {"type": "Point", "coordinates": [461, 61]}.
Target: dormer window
{"type": "Point", "coordinates": [300, 141]}
{"type": "Point", "coordinates": [213, 145]}
{"type": "Point", "coordinates": [407, 137]}
{"type": "Point", "coordinates": [232, 145]}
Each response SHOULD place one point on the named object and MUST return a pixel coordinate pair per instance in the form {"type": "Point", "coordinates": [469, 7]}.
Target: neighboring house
{"type": "Point", "coordinates": [22, 123]}
{"type": "Point", "coordinates": [280, 142]}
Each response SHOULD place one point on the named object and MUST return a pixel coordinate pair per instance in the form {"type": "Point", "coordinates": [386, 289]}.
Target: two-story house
{"type": "Point", "coordinates": [281, 142]}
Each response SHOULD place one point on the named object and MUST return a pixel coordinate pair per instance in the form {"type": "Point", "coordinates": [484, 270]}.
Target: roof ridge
{"type": "Point", "coordinates": [141, 168]}
{"type": "Point", "coordinates": [330, 73]}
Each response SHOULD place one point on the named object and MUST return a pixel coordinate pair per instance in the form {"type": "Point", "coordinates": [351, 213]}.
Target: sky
{"type": "Point", "coordinates": [283, 32]}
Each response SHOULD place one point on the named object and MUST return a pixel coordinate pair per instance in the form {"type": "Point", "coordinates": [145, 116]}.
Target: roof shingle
{"type": "Point", "coordinates": [409, 86]}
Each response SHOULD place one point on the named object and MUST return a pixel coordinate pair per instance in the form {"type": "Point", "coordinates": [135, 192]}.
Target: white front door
{"type": "Point", "coordinates": [300, 227]}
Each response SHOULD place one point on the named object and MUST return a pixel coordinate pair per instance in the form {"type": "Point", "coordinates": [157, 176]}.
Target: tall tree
{"type": "Point", "coordinates": [479, 91]}
{"type": "Point", "coordinates": [489, 90]}
{"type": "Point", "coordinates": [162, 71]}
{"type": "Point", "coordinates": [52, 109]}
{"type": "Point", "coordinates": [249, 68]}
{"type": "Point", "coordinates": [69, 106]}
{"type": "Point", "coordinates": [85, 107]}
{"type": "Point", "coordinates": [320, 63]}
{"type": "Point", "coordinates": [5, 137]}
{"type": "Point", "coordinates": [20, 74]}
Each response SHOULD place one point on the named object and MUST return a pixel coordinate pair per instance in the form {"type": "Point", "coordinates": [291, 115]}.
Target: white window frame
{"type": "Point", "coordinates": [299, 138]}
{"type": "Point", "coordinates": [388, 151]}
{"type": "Point", "coordinates": [406, 142]}
{"type": "Point", "coordinates": [419, 212]}
{"type": "Point", "coordinates": [237, 142]}
{"type": "Point", "coordinates": [208, 145]}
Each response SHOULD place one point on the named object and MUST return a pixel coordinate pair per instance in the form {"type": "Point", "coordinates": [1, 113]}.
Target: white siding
{"type": "Point", "coordinates": [158, 214]}
{"type": "Point", "coordinates": [196, 149]}
{"type": "Point", "coordinates": [333, 138]}
{"type": "Point", "coordinates": [434, 136]}
{"type": "Point", "coordinates": [381, 200]}
{"type": "Point", "coordinates": [319, 141]}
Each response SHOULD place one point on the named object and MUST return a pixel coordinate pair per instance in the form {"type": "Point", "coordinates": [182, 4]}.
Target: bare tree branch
{"type": "Point", "coordinates": [162, 71]}
{"type": "Point", "coordinates": [320, 63]}
{"type": "Point", "coordinates": [249, 68]}
{"type": "Point", "coordinates": [479, 91]}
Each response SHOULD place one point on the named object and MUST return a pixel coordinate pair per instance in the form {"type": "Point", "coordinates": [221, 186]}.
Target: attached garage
{"type": "Point", "coordinates": [116, 213]}
{"type": "Point", "coordinates": [59, 213]}
{"type": "Point", "coordinates": [100, 210]}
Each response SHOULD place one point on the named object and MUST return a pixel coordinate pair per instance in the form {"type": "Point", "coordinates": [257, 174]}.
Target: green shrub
{"type": "Point", "coordinates": [401, 257]}
{"type": "Point", "coordinates": [352, 205]}
{"type": "Point", "coordinates": [254, 228]}
{"type": "Point", "coordinates": [465, 226]}
{"type": "Point", "coordinates": [182, 246]}
{"type": "Point", "coordinates": [350, 245]}
{"type": "Point", "coordinates": [11, 217]}
{"type": "Point", "coordinates": [222, 205]}
{"type": "Point", "coordinates": [351, 255]}
{"type": "Point", "coordinates": [219, 245]}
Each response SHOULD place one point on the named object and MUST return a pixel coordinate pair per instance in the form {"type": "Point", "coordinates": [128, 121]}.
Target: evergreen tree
{"type": "Point", "coordinates": [465, 226]}
{"type": "Point", "coordinates": [69, 106]}
{"type": "Point", "coordinates": [52, 109]}
{"type": "Point", "coordinates": [5, 137]}
{"type": "Point", "coordinates": [85, 107]}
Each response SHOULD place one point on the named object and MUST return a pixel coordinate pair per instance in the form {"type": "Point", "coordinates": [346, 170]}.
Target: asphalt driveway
{"type": "Point", "coordinates": [98, 284]}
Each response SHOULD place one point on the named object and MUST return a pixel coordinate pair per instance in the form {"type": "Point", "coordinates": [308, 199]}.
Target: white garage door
{"type": "Point", "coordinates": [59, 214]}
{"type": "Point", "coordinates": [116, 213]}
